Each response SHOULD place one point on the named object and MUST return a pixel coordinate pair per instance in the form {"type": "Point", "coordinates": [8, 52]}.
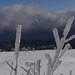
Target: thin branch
{"type": "Point", "coordinates": [70, 38]}
{"type": "Point", "coordinates": [11, 69]}
{"type": "Point", "coordinates": [10, 66]}
{"type": "Point", "coordinates": [24, 69]}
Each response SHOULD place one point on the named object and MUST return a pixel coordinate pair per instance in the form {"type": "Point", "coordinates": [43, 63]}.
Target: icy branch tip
{"type": "Point", "coordinates": [72, 17]}
{"type": "Point", "coordinates": [68, 45]}
{"type": "Point", "coordinates": [20, 26]}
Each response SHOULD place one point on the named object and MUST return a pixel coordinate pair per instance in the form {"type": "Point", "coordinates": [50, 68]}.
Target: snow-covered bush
{"type": "Point", "coordinates": [0, 50]}
{"type": "Point", "coordinates": [61, 47]}
{"type": "Point", "coordinates": [33, 49]}
{"type": "Point", "coordinates": [29, 48]}
{"type": "Point", "coordinates": [33, 68]}
{"type": "Point", "coordinates": [24, 49]}
{"type": "Point", "coordinates": [12, 49]}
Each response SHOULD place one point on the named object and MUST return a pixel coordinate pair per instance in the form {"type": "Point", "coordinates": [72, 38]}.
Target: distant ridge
{"type": "Point", "coordinates": [7, 45]}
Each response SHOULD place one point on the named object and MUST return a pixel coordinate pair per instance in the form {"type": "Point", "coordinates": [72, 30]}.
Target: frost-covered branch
{"type": "Point", "coordinates": [38, 66]}
{"type": "Point", "coordinates": [61, 47]}
{"type": "Point", "coordinates": [10, 65]}
{"type": "Point", "coordinates": [70, 38]}
{"type": "Point", "coordinates": [28, 71]}
{"type": "Point", "coordinates": [11, 69]}
{"type": "Point", "coordinates": [17, 44]}
{"type": "Point", "coordinates": [33, 68]}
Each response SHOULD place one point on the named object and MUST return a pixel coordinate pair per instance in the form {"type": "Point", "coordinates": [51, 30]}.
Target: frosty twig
{"type": "Point", "coordinates": [60, 42]}
{"type": "Point", "coordinates": [17, 44]}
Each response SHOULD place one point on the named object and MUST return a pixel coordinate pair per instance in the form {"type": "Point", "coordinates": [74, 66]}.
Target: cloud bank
{"type": "Point", "coordinates": [32, 17]}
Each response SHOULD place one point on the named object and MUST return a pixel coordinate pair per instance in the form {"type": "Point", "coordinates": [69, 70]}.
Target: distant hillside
{"type": "Point", "coordinates": [7, 45]}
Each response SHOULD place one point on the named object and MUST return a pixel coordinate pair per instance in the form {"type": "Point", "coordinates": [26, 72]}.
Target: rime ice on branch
{"type": "Point", "coordinates": [61, 47]}
{"type": "Point", "coordinates": [17, 41]}
{"type": "Point", "coordinates": [34, 68]}
{"type": "Point", "coordinates": [17, 44]}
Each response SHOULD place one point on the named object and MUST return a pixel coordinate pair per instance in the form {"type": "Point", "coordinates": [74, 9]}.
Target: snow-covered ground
{"type": "Point", "coordinates": [68, 61]}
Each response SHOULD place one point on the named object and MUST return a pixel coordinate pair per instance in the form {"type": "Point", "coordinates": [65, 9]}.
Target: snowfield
{"type": "Point", "coordinates": [68, 61]}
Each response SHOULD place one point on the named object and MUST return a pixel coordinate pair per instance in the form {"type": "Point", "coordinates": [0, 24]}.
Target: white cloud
{"type": "Point", "coordinates": [32, 16]}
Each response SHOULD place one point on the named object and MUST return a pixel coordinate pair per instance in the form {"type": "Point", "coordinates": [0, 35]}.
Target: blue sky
{"type": "Point", "coordinates": [54, 5]}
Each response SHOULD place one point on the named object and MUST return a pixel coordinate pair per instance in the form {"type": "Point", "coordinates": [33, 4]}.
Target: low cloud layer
{"type": "Point", "coordinates": [32, 17]}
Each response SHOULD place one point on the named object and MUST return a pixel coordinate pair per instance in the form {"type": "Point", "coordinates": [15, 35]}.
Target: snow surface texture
{"type": "Point", "coordinates": [68, 61]}
{"type": "Point", "coordinates": [34, 63]}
